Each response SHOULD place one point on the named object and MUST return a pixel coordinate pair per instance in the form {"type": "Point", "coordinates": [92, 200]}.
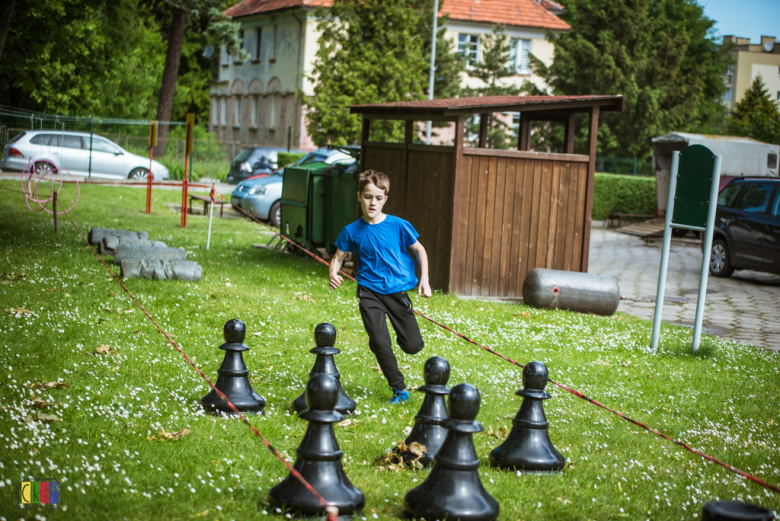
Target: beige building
{"type": "Point", "coordinates": [751, 60]}
{"type": "Point", "coordinates": [258, 101]}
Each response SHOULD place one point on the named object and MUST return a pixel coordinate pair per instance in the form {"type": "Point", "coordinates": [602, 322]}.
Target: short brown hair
{"type": "Point", "coordinates": [378, 179]}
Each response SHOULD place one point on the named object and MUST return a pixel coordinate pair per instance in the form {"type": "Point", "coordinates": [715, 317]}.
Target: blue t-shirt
{"type": "Point", "coordinates": [385, 266]}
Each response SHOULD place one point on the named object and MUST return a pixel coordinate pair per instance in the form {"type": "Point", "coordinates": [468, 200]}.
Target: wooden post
{"type": "Point", "coordinates": [408, 138]}
{"type": "Point", "coordinates": [524, 133]}
{"type": "Point", "coordinates": [568, 140]}
{"type": "Point", "coordinates": [484, 123]}
{"type": "Point", "coordinates": [593, 138]}
{"type": "Point", "coordinates": [56, 224]}
{"type": "Point", "coordinates": [455, 247]}
{"type": "Point", "coordinates": [364, 135]}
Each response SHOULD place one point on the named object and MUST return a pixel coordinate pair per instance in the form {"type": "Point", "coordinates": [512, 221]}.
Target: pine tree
{"type": "Point", "coordinates": [371, 51]}
{"type": "Point", "coordinates": [659, 54]}
{"type": "Point", "coordinates": [494, 66]}
{"type": "Point", "coordinates": [756, 115]}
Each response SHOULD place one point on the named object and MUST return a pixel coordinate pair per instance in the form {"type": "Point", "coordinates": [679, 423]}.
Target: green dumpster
{"type": "Point", "coordinates": [318, 201]}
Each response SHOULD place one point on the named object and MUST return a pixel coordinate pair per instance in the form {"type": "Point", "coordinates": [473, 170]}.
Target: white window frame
{"type": "Point", "coordinates": [223, 111]}
{"type": "Point", "coordinates": [727, 94]}
{"type": "Point", "coordinates": [255, 111]}
{"type": "Point", "coordinates": [469, 49]}
{"type": "Point", "coordinates": [214, 111]}
{"type": "Point", "coordinates": [224, 58]}
{"type": "Point", "coordinates": [729, 75]}
{"type": "Point", "coordinates": [519, 55]}
{"type": "Point", "coordinates": [237, 111]}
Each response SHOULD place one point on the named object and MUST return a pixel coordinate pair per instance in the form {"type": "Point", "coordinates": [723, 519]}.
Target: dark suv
{"type": "Point", "coordinates": [747, 227]}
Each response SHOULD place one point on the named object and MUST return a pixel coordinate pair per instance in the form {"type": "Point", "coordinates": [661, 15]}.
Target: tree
{"type": "Point", "coordinates": [661, 55]}
{"type": "Point", "coordinates": [370, 51]}
{"type": "Point", "coordinates": [491, 69]}
{"type": "Point", "coordinates": [756, 115]}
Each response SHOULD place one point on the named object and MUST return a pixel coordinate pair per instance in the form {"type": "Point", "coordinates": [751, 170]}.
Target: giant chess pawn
{"type": "Point", "coordinates": [325, 337]}
{"type": "Point", "coordinates": [453, 489]}
{"type": "Point", "coordinates": [528, 447]}
{"type": "Point", "coordinates": [233, 379]}
{"type": "Point", "coordinates": [319, 459]}
{"type": "Point", "coordinates": [428, 429]}
{"type": "Point", "coordinates": [735, 511]}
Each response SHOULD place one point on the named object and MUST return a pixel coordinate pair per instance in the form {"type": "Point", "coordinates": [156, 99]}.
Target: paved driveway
{"type": "Point", "coordinates": [744, 307]}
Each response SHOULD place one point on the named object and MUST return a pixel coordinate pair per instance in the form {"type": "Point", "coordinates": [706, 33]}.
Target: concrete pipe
{"type": "Point", "coordinates": [161, 270]}
{"type": "Point", "coordinates": [96, 235]}
{"type": "Point", "coordinates": [124, 251]}
{"type": "Point", "coordinates": [109, 243]}
{"type": "Point", "coordinates": [582, 292]}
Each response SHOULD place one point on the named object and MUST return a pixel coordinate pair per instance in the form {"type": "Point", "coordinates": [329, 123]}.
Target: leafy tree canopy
{"type": "Point", "coordinates": [661, 55]}
{"type": "Point", "coordinates": [756, 115]}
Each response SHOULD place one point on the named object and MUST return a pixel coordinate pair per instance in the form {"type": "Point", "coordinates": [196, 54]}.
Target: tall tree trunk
{"type": "Point", "coordinates": [170, 75]}
{"type": "Point", "coordinates": [6, 10]}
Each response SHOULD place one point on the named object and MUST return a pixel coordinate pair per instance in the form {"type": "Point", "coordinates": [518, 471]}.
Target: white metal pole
{"type": "Point", "coordinates": [211, 216]}
{"type": "Point", "coordinates": [659, 298]}
{"type": "Point", "coordinates": [705, 262]}
{"type": "Point", "coordinates": [433, 64]}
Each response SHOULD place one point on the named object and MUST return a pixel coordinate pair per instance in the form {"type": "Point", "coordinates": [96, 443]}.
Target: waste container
{"type": "Point", "coordinates": [318, 201]}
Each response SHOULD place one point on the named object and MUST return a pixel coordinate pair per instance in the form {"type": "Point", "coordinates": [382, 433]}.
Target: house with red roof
{"type": "Point", "coordinates": [257, 101]}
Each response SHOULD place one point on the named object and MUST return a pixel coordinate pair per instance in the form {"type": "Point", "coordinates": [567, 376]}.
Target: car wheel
{"type": "Point", "coordinates": [139, 174]}
{"type": "Point", "coordinates": [43, 168]}
{"type": "Point", "coordinates": [275, 214]}
{"type": "Point", "coordinates": [720, 265]}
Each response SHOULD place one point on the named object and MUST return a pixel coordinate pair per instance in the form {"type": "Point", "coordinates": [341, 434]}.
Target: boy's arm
{"type": "Point", "coordinates": [424, 289]}
{"type": "Point", "coordinates": [335, 266]}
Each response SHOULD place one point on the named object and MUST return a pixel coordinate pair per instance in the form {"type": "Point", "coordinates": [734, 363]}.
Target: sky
{"type": "Point", "coordinates": [745, 18]}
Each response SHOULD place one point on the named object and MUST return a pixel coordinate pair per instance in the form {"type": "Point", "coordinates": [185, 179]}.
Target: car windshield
{"type": "Point", "coordinates": [244, 155]}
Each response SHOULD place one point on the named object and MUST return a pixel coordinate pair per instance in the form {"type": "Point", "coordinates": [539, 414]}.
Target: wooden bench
{"type": "Point", "coordinates": [206, 202]}
{"type": "Point", "coordinates": [619, 217]}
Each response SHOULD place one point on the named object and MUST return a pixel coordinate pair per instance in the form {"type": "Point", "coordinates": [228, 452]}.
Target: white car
{"type": "Point", "coordinates": [53, 150]}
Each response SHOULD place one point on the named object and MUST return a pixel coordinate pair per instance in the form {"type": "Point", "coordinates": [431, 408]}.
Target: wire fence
{"type": "Point", "coordinates": [624, 165]}
{"type": "Point", "coordinates": [111, 148]}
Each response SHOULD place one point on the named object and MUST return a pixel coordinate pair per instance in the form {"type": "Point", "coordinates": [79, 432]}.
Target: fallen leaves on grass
{"type": "Point", "coordinates": [169, 435]}
{"type": "Point", "coordinates": [18, 311]}
{"type": "Point", "coordinates": [12, 276]}
{"type": "Point", "coordinates": [502, 433]}
{"type": "Point", "coordinates": [407, 430]}
{"type": "Point", "coordinates": [49, 385]}
{"type": "Point", "coordinates": [43, 417]}
{"type": "Point", "coordinates": [402, 457]}
{"type": "Point", "coordinates": [304, 297]}
{"type": "Point", "coordinates": [104, 350]}
{"type": "Point", "coordinates": [202, 514]}
{"type": "Point", "coordinates": [345, 423]}
{"type": "Point", "coordinates": [50, 289]}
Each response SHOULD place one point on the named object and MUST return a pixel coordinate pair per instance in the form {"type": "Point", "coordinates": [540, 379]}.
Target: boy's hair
{"type": "Point", "coordinates": [378, 179]}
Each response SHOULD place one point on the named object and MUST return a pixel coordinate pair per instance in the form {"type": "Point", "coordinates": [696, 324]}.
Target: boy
{"type": "Point", "coordinates": [386, 273]}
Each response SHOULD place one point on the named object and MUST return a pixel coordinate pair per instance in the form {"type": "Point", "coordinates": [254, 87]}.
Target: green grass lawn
{"type": "Point", "coordinates": [723, 402]}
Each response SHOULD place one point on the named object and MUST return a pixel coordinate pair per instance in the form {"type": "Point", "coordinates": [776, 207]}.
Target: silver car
{"type": "Point", "coordinates": [52, 149]}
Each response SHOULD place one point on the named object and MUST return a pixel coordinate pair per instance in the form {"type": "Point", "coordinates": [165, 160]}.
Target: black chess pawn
{"type": "Point", "coordinates": [428, 429]}
{"type": "Point", "coordinates": [528, 447]}
{"type": "Point", "coordinates": [233, 379]}
{"type": "Point", "coordinates": [319, 459]}
{"type": "Point", "coordinates": [735, 511]}
{"type": "Point", "coordinates": [325, 337]}
{"type": "Point", "coordinates": [453, 489]}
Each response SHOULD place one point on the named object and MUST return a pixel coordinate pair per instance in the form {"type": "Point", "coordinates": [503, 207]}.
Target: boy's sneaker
{"type": "Point", "coordinates": [399, 396]}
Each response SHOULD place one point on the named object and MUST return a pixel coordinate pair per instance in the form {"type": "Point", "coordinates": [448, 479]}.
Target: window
{"type": "Point", "coordinates": [519, 60]}
{"type": "Point", "coordinates": [237, 57]}
{"type": "Point", "coordinates": [778, 95]}
{"type": "Point", "coordinates": [273, 49]}
{"type": "Point", "coordinates": [100, 145]}
{"type": "Point", "coordinates": [224, 59]}
{"type": "Point", "coordinates": [41, 139]}
{"type": "Point", "coordinates": [727, 94]}
{"type": "Point", "coordinates": [730, 75]}
{"type": "Point", "coordinates": [223, 112]}
{"type": "Point", "coordinates": [771, 161]}
{"type": "Point", "coordinates": [214, 111]}
{"type": "Point", "coordinates": [237, 111]}
{"type": "Point", "coordinates": [757, 198]}
{"type": "Point", "coordinates": [255, 110]}
{"type": "Point", "coordinates": [728, 195]}
{"type": "Point", "coordinates": [468, 48]}
{"type": "Point", "coordinates": [776, 209]}
{"type": "Point", "coordinates": [272, 111]}
{"type": "Point", "coordinates": [258, 42]}
{"type": "Point", "coordinates": [71, 141]}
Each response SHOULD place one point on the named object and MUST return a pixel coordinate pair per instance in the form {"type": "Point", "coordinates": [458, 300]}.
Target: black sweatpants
{"type": "Point", "coordinates": [373, 308]}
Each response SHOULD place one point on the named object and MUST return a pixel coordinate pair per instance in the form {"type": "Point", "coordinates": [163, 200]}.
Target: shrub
{"type": "Point", "coordinates": [622, 194]}
{"type": "Point", "coordinates": [288, 158]}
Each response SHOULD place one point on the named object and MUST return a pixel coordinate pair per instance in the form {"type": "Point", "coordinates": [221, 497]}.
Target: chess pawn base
{"type": "Point", "coordinates": [452, 495]}
{"type": "Point", "coordinates": [530, 451]}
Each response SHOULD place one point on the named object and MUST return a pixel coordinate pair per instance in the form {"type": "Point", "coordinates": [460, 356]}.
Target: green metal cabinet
{"type": "Point", "coordinates": [318, 201]}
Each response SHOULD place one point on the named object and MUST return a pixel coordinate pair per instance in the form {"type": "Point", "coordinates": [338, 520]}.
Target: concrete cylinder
{"type": "Point", "coordinates": [124, 251]}
{"type": "Point", "coordinates": [96, 235]}
{"type": "Point", "coordinates": [110, 243]}
{"type": "Point", "coordinates": [582, 292]}
{"type": "Point", "coordinates": [161, 270]}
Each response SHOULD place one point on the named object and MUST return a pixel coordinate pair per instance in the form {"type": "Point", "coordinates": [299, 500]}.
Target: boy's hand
{"type": "Point", "coordinates": [335, 281]}
{"type": "Point", "coordinates": [424, 289]}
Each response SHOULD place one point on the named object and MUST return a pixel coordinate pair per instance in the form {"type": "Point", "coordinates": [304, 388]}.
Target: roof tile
{"type": "Point", "coordinates": [525, 13]}
{"type": "Point", "coordinates": [249, 7]}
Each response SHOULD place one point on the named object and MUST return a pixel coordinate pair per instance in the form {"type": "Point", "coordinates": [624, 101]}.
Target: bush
{"type": "Point", "coordinates": [622, 194]}
{"type": "Point", "coordinates": [288, 158]}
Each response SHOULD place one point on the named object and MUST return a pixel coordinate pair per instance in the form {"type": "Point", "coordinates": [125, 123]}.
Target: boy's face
{"type": "Point", "coordinates": [372, 199]}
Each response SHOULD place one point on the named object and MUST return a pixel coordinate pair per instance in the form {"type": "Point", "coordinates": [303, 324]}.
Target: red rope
{"type": "Point", "coordinates": [331, 510]}
{"type": "Point", "coordinates": [562, 386]}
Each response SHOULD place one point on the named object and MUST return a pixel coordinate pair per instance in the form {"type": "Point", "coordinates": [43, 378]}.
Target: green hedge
{"type": "Point", "coordinates": [622, 194]}
{"type": "Point", "coordinates": [288, 158]}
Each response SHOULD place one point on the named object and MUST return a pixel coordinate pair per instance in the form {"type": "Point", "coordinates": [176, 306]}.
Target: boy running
{"type": "Point", "coordinates": [385, 274]}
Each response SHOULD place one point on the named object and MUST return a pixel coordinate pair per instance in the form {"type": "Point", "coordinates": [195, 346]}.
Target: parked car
{"type": "Point", "coordinates": [254, 161]}
{"type": "Point", "coordinates": [54, 149]}
{"type": "Point", "coordinates": [261, 196]}
{"type": "Point", "coordinates": [747, 227]}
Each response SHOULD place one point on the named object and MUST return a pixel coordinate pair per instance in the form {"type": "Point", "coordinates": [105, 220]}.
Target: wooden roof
{"type": "Point", "coordinates": [250, 7]}
{"type": "Point", "coordinates": [483, 104]}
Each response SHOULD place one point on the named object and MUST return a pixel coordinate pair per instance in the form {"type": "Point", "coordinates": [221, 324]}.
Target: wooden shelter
{"type": "Point", "coordinates": [486, 216]}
